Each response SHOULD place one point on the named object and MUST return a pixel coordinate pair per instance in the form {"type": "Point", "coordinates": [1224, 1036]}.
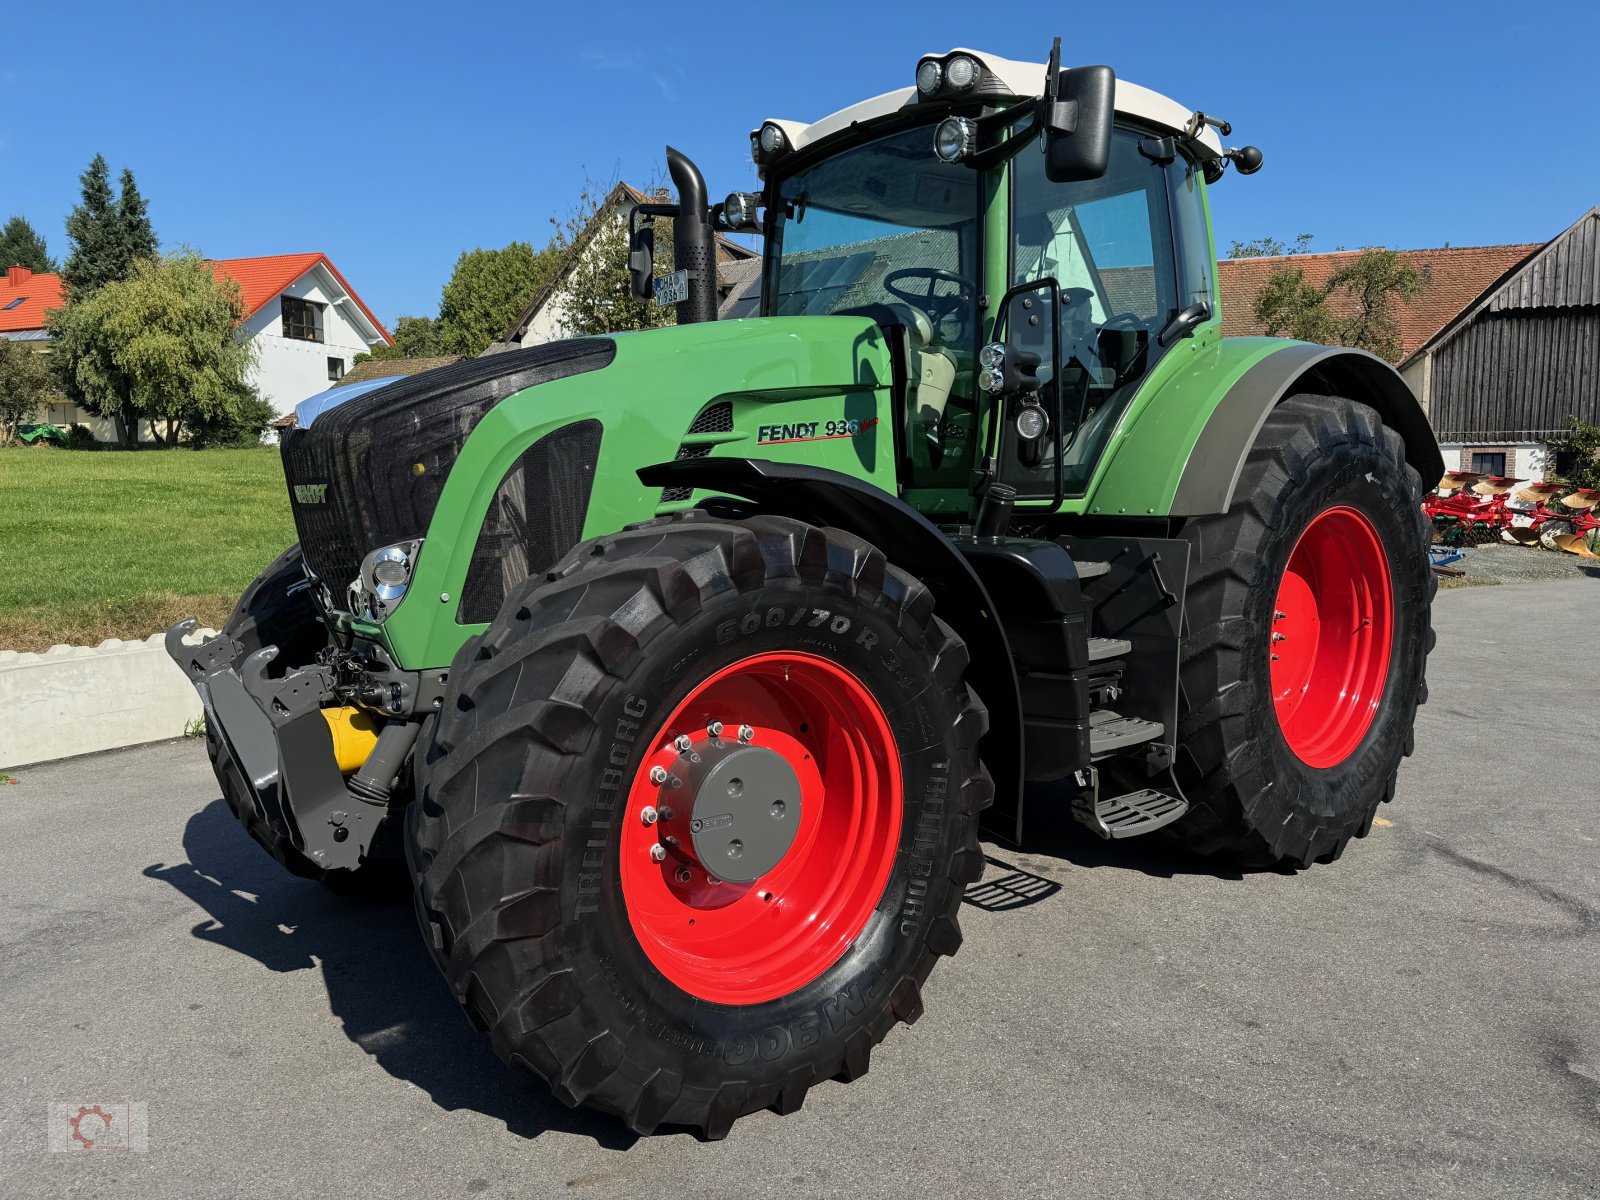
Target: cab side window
{"type": "Point", "coordinates": [1108, 243]}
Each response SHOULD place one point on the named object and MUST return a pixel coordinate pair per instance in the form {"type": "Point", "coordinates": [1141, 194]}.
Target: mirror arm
{"type": "Point", "coordinates": [1184, 323]}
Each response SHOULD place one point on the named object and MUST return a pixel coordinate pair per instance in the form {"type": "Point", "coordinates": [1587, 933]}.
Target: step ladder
{"type": "Point", "coordinates": [1126, 816]}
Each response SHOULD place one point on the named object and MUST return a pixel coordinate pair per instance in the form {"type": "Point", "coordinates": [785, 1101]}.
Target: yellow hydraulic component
{"type": "Point", "coordinates": [354, 732]}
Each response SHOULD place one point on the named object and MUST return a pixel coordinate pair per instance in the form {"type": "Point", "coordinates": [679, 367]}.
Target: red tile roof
{"type": "Point", "coordinates": [37, 294]}
{"type": "Point", "coordinates": [1453, 278]}
{"type": "Point", "coordinates": [261, 280]}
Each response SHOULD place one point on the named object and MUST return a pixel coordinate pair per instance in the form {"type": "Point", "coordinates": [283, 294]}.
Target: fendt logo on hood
{"type": "Point", "coordinates": [311, 493]}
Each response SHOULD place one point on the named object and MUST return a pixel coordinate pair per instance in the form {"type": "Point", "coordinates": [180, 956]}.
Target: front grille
{"type": "Point", "coordinates": [353, 476]}
{"type": "Point", "coordinates": [536, 516]}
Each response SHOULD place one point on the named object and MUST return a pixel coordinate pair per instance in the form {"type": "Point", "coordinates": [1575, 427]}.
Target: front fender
{"type": "Point", "coordinates": [1183, 449]}
{"type": "Point", "coordinates": [823, 497]}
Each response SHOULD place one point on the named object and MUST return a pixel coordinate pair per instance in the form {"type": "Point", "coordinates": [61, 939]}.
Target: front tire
{"type": "Point", "coordinates": [1306, 638]}
{"type": "Point", "coordinates": [596, 946]}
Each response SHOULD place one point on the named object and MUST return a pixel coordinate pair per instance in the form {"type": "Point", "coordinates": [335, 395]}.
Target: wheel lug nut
{"type": "Point", "coordinates": [746, 733]}
{"type": "Point", "coordinates": [714, 728]}
{"type": "Point", "coordinates": [658, 852]}
{"type": "Point", "coordinates": [658, 775]}
{"type": "Point", "coordinates": [648, 814]}
{"type": "Point", "coordinates": [1280, 616]}
{"type": "Point", "coordinates": [682, 875]}
{"type": "Point", "coordinates": [682, 743]}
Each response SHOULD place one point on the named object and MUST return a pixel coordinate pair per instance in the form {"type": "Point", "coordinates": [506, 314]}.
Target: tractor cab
{"type": "Point", "coordinates": [1040, 236]}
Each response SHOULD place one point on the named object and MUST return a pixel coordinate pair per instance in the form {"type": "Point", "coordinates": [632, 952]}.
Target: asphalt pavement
{"type": "Point", "coordinates": [1421, 1018]}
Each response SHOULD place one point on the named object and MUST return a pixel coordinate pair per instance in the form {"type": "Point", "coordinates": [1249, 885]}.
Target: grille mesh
{"type": "Point", "coordinates": [713, 418]}
{"type": "Point", "coordinates": [536, 516]}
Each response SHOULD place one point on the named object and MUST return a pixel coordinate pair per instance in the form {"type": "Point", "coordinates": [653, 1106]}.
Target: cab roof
{"type": "Point", "coordinates": [1020, 79]}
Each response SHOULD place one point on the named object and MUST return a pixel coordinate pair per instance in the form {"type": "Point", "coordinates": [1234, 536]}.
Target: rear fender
{"type": "Point", "coordinates": [1183, 447]}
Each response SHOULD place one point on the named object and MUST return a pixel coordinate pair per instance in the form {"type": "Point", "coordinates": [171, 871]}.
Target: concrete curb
{"type": "Point", "coordinates": [74, 700]}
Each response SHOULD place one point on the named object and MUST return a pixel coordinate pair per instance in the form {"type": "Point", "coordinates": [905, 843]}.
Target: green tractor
{"type": "Point", "coordinates": [676, 672]}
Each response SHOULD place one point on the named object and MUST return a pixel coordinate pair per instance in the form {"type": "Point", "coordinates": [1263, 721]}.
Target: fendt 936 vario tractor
{"type": "Point", "coordinates": [678, 669]}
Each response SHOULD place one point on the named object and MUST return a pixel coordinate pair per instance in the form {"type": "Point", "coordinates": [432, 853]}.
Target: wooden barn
{"type": "Point", "coordinates": [1505, 377]}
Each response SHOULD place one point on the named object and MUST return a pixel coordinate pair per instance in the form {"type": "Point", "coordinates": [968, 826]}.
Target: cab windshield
{"type": "Point", "coordinates": [888, 225]}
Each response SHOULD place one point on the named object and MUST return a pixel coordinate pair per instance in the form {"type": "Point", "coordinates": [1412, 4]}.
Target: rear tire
{"type": "Point", "coordinates": [273, 611]}
{"type": "Point", "coordinates": [1267, 788]}
{"type": "Point", "coordinates": [530, 800]}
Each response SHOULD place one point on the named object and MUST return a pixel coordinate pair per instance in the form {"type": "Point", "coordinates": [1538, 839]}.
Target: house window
{"type": "Point", "coordinates": [1489, 464]}
{"type": "Point", "coordinates": [335, 370]}
{"type": "Point", "coordinates": [302, 319]}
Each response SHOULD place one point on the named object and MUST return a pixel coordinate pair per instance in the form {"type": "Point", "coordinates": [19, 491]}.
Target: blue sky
{"type": "Point", "coordinates": [394, 136]}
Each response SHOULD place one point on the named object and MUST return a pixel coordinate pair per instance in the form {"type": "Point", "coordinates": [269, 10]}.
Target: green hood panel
{"type": "Point", "coordinates": [814, 390]}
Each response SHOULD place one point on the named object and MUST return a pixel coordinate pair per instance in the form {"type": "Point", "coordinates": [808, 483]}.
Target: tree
{"type": "Point", "coordinates": [597, 294]}
{"type": "Point", "coordinates": [108, 233]}
{"type": "Point", "coordinates": [1355, 307]}
{"type": "Point", "coordinates": [414, 337]}
{"type": "Point", "coordinates": [1579, 454]}
{"type": "Point", "coordinates": [133, 220]}
{"type": "Point", "coordinates": [159, 345]}
{"type": "Point", "coordinates": [486, 292]}
{"type": "Point", "coordinates": [1270, 247]}
{"type": "Point", "coordinates": [24, 387]}
{"type": "Point", "coordinates": [21, 246]}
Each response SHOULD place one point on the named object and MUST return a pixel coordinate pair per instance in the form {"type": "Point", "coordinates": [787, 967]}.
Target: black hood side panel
{"type": "Point", "coordinates": [353, 476]}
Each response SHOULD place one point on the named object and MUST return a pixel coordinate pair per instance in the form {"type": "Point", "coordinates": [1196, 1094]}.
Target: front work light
{"type": "Point", "coordinates": [992, 355]}
{"type": "Point", "coordinates": [1031, 422]}
{"type": "Point", "coordinates": [929, 76]}
{"type": "Point", "coordinates": [955, 138]}
{"type": "Point", "coordinates": [739, 211]}
{"type": "Point", "coordinates": [772, 139]}
{"type": "Point", "coordinates": [961, 72]}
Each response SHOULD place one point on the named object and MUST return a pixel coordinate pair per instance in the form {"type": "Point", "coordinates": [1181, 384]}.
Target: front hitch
{"type": "Point", "coordinates": [275, 731]}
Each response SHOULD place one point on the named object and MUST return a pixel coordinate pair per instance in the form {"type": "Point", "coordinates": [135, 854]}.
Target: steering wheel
{"type": "Point", "coordinates": [937, 307]}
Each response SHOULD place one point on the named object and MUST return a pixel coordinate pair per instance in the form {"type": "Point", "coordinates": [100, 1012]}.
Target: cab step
{"type": "Point", "coordinates": [1110, 731]}
{"type": "Point", "coordinates": [1129, 816]}
{"type": "Point", "coordinates": [1102, 649]}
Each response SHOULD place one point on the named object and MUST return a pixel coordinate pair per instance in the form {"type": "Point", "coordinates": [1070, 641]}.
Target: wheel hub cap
{"type": "Point", "coordinates": [742, 813]}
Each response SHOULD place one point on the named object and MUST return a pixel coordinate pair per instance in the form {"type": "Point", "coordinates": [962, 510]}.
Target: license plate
{"type": "Point", "coordinates": [672, 289]}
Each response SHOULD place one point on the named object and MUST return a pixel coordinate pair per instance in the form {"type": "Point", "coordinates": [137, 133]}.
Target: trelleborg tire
{"type": "Point", "coordinates": [1306, 638]}
{"type": "Point", "coordinates": [274, 611]}
{"type": "Point", "coordinates": [602, 952]}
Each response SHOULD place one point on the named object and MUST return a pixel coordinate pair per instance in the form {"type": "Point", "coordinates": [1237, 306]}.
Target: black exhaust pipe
{"type": "Point", "coordinates": [694, 244]}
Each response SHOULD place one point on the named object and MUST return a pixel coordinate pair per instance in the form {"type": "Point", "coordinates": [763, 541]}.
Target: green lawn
{"type": "Point", "coordinates": [100, 544]}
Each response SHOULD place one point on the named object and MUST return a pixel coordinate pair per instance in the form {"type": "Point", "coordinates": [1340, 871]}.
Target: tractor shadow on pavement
{"type": "Point", "coordinates": [380, 982]}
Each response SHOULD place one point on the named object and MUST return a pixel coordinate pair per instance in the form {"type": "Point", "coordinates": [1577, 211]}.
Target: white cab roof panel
{"type": "Point", "coordinates": [1024, 79]}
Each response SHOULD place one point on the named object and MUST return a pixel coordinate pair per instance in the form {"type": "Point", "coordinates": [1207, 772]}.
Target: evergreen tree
{"type": "Point", "coordinates": [92, 228]}
{"type": "Point", "coordinates": [133, 219]}
{"type": "Point", "coordinates": [108, 233]}
{"type": "Point", "coordinates": [21, 246]}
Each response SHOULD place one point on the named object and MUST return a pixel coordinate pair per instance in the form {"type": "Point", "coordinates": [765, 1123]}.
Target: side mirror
{"type": "Point", "coordinates": [641, 254]}
{"type": "Point", "coordinates": [1077, 124]}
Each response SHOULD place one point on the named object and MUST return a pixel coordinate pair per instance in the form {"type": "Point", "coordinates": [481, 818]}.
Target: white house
{"type": "Point", "coordinates": [306, 321]}
{"type": "Point", "coordinates": [544, 317]}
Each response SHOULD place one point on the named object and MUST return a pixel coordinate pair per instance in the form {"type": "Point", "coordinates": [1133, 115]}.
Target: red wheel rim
{"type": "Point", "coordinates": [745, 943]}
{"type": "Point", "coordinates": [1332, 630]}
